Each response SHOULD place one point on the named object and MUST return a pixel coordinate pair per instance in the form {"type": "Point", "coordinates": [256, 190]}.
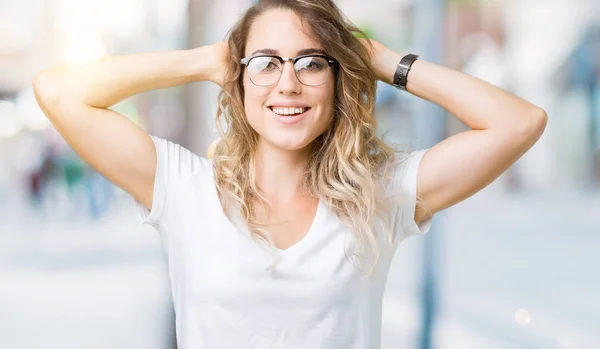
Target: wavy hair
{"type": "Point", "coordinates": [347, 161]}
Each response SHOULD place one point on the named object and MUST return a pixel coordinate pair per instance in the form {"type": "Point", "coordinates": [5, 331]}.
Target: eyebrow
{"type": "Point", "coordinates": [306, 51]}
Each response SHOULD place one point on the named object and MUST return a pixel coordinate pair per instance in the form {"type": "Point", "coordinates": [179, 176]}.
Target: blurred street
{"type": "Point", "coordinates": [75, 278]}
{"type": "Point", "coordinates": [497, 260]}
{"type": "Point", "coordinates": [514, 267]}
{"type": "Point", "coordinates": [61, 282]}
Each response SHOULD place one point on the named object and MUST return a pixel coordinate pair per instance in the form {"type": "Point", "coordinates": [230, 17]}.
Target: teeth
{"type": "Point", "coordinates": [288, 111]}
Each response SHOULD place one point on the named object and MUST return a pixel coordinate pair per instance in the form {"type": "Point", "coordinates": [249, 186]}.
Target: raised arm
{"type": "Point", "coordinates": [75, 98]}
{"type": "Point", "coordinates": [503, 125]}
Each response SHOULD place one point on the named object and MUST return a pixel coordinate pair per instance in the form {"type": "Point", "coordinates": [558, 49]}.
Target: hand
{"type": "Point", "coordinates": [218, 54]}
{"type": "Point", "coordinates": [383, 60]}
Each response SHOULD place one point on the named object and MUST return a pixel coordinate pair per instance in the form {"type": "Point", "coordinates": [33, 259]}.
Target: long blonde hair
{"type": "Point", "coordinates": [348, 160]}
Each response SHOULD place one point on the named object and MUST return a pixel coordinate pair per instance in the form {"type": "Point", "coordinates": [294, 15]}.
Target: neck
{"type": "Point", "coordinates": [280, 172]}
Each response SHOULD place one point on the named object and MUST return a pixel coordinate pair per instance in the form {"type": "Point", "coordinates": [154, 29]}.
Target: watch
{"type": "Point", "coordinates": [401, 75]}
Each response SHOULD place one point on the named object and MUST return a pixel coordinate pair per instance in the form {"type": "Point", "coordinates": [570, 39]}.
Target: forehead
{"type": "Point", "coordinates": [280, 30]}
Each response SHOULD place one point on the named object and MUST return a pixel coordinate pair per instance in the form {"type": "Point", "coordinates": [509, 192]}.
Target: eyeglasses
{"type": "Point", "coordinates": [266, 70]}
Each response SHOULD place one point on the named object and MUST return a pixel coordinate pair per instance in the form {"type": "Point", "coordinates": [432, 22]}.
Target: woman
{"type": "Point", "coordinates": [284, 238]}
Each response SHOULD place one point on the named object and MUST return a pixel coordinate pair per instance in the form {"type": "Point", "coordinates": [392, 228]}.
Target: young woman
{"type": "Point", "coordinates": [284, 238]}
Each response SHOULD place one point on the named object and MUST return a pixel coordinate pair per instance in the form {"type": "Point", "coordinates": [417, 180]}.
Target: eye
{"type": "Point", "coordinates": [264, 65]}
{"type": "Point", "coordinates": [314, 66]}
{"type": "Point", "coordinates": [311, 64]}
{"type": "Point", "coordinates": [271, 66]}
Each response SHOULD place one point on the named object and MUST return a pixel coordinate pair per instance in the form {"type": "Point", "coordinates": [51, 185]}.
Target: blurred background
{"type": "Point", "coordinates": [515, 266]}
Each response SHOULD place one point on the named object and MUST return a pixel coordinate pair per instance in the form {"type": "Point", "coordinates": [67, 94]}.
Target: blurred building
{"type": "Point", "coordinates": [73, 264]}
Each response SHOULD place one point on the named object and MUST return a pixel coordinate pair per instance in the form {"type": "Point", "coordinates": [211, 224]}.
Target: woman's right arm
{"type": "Point", "coordinates": [75, 99]}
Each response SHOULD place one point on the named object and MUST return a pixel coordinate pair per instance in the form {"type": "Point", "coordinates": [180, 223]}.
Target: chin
{"type": "Point", "coordinates": [290, 138]}
{"type": "Point", "coordinates": [289, 144]}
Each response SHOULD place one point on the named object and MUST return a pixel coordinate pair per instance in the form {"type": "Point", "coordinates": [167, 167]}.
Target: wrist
{"type": "Point", "coordinates": [402, 71]}
{"type": "Point", "coordinates": [387, 69]}
{"type": "Point", "coordinates": [200, 62]}
{"type": "Point", "coordinates": [385, 64]}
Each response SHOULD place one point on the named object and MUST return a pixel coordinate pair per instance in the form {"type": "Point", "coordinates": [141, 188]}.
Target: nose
{"type": "Point", "coordinates": [288, 82]}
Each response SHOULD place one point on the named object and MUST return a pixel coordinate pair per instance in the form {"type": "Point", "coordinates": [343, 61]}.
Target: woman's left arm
{"type": "Point", "coordinates": [503, 125]}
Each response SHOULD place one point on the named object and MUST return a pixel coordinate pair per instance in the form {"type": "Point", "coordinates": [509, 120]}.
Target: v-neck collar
{"type": "Point", "coordinates": [307, 236]}
{"type": "Point", "coordinates": [292, 250]}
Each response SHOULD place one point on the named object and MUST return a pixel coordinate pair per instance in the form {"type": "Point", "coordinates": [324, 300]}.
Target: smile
{"type": "Point", "coordinates": [289, 116]}
{"type": "Point", "coordinates": [288, 111]}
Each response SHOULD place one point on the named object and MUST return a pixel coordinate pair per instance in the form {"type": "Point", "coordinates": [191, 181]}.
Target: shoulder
{"type": "Point", "coordinates": [400, 173]}
{"type": "Point", "coordinates": [178, 162]}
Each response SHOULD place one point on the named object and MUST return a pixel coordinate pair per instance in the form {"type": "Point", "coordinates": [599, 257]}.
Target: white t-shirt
{"type": "Point", "coordinates": [224, 292]}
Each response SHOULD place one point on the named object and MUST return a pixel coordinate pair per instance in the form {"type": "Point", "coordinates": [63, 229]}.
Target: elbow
{"type": "Point", "coordinates": [539, 120]}
{"type": "Point", "coordinates": [50, 91]}
{"type": "Point", "coordinates": [540, 117]}
{"type": "Point", "coordinates": [45, 90]}
{"type": "Point", "coordinates": [533, 126]}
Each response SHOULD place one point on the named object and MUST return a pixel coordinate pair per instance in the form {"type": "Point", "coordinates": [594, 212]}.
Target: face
{"type": "Point", "coordinates": [283, 31]}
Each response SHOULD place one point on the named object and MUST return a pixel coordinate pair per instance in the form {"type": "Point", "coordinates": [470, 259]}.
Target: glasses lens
{"type": "Point", "coordinates": [312, 71]}
{"type": "Point", "coordinates": [264, 71]}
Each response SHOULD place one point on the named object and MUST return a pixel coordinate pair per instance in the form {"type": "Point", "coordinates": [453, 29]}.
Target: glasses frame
{"type": "Point", "coordinates": [330, 61]}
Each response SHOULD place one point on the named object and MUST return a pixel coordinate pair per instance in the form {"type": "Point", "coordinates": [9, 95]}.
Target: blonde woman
{"type": "Point", "coordinates": [283, 239]}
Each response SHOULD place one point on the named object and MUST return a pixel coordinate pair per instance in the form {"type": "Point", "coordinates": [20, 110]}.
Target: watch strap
{"type": "Point", "coordinates": [401, 75]}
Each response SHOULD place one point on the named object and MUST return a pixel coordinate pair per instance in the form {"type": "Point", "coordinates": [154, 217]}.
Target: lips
{"type": "Point", "coordinates": [290, 119]}
{"type": "Point", "coordinates": [288, 105]}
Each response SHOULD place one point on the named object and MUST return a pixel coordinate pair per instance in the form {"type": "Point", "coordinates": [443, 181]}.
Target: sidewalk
{"type": "Point", "coordinates": [533, 252]}
{"type": "Point", "coordinates": [100, 285]}
{"type": "Point", "coordinates": [62, 282]}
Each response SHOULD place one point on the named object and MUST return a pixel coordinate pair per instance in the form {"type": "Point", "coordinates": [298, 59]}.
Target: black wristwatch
{"type": "Point", "coordinates": [401, 75]}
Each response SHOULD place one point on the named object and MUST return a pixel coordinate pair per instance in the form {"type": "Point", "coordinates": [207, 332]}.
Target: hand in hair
{"type": "Point", "coordinates": [383, 60]}
{"type": "Point", "coordinates": [218, 53]}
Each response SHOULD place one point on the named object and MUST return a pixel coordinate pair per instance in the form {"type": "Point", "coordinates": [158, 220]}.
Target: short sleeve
{"type": "Point", "coordinates": [405, 185]}
{"type": "Point", "coordinates": [174, 164]}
